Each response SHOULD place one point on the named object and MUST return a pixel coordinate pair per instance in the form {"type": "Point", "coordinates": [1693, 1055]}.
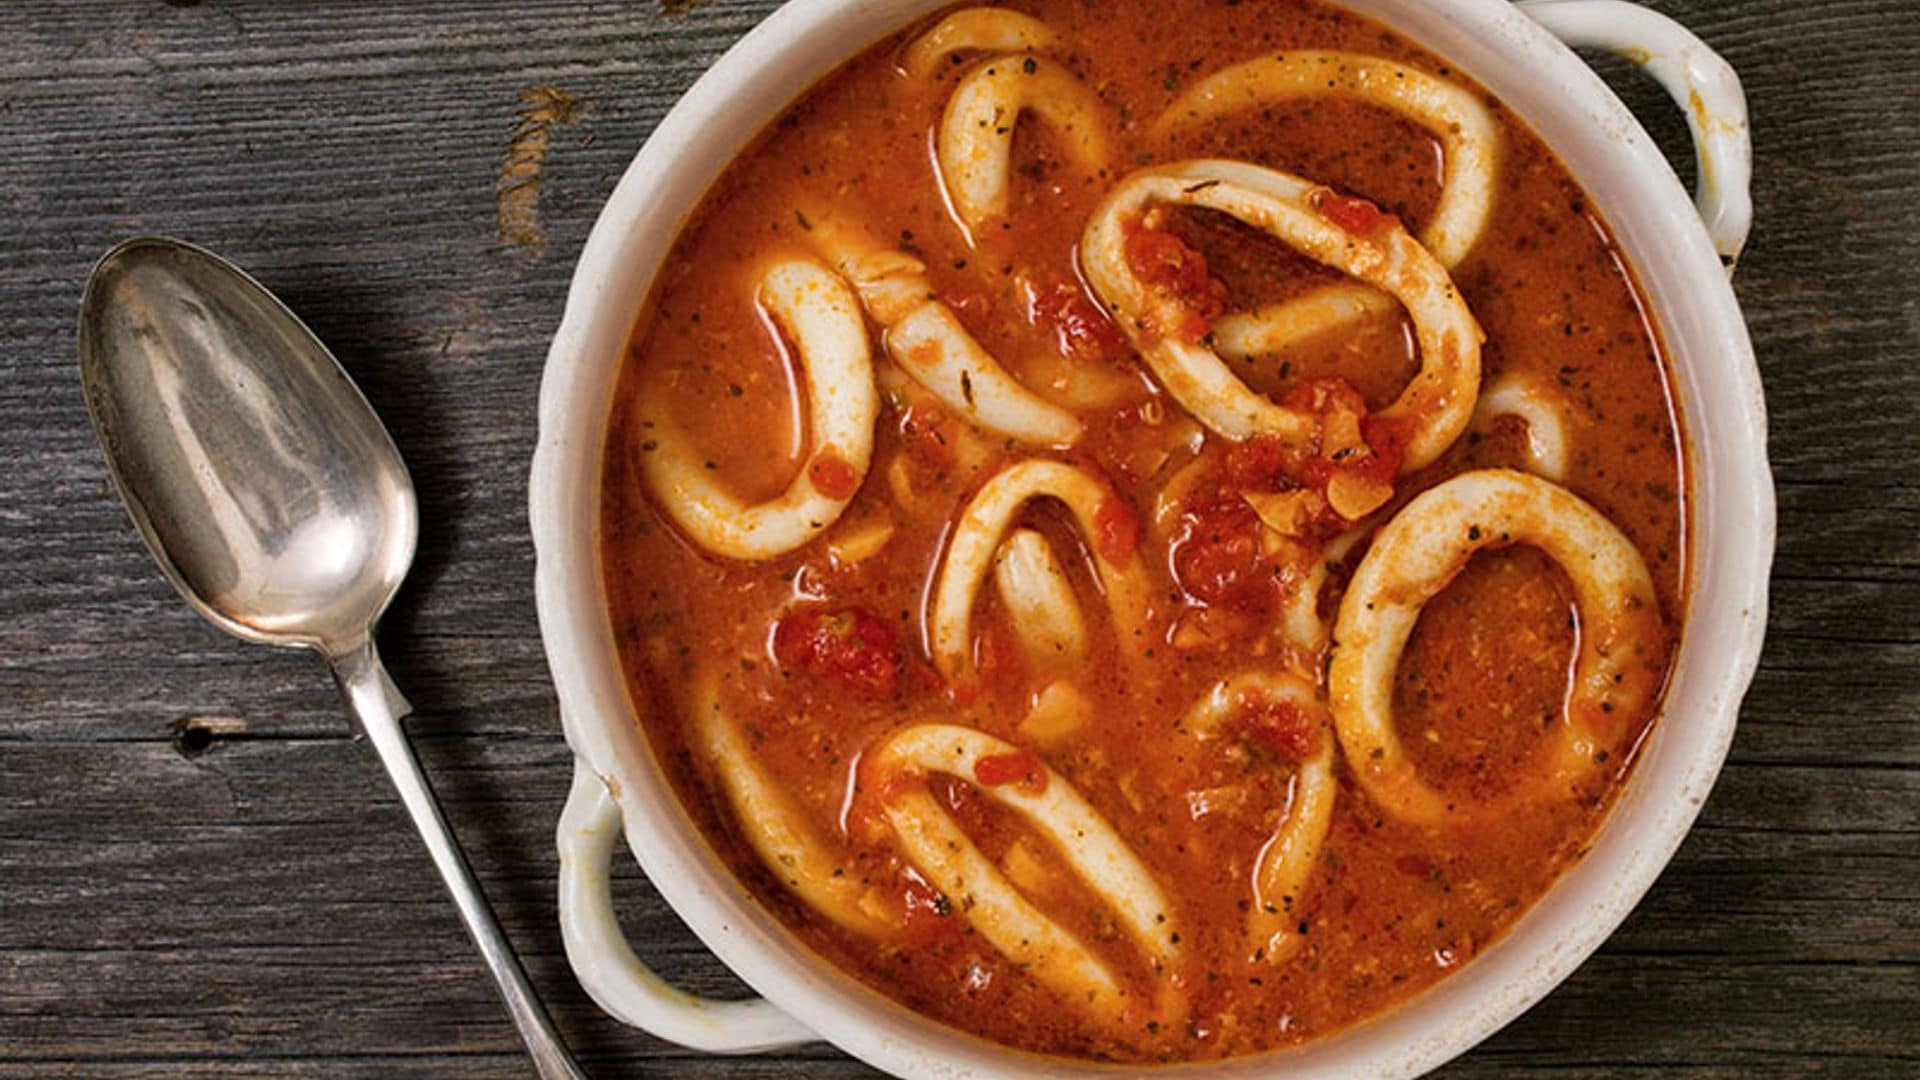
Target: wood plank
{"type": "Point", "coordinates": [325, 904]}
{"type": "Point", "coordinates": [262, 909]}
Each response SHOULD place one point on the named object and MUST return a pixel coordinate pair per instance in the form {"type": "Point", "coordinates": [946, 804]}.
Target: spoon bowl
{"type": "Point", "coordinates": [265, 485]}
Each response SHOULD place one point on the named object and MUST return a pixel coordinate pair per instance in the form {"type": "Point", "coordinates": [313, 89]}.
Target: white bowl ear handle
{"type": "Point", "coordinates": [605, 964]}
{"type": "Point", "coordinates": [1699, 81]}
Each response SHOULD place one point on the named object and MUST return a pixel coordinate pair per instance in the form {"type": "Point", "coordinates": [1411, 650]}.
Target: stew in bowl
{"type": "Point", "coordinates": [1146, 547]}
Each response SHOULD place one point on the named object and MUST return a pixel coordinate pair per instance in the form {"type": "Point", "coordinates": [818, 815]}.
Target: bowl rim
{"type": "Point", "coordinates": [1730, 533]}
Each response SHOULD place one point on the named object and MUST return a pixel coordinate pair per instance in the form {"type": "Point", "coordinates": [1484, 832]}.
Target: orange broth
{"type": "Point", "coordinates": [1393, 908]}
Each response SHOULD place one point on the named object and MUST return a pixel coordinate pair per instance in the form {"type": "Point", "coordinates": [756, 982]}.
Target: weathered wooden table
{"type": "Point", "coordinates": [200, 873]}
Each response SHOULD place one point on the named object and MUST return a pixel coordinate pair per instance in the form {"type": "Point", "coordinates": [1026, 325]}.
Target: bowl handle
{"type": "Point", "coordinates": [1699, 81]}
{"type": "Point", "coordinates": [605, 964]}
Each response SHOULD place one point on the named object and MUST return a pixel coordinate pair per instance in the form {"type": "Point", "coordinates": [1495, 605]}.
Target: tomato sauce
{"type": "Point", "coordinates": [822, 652]}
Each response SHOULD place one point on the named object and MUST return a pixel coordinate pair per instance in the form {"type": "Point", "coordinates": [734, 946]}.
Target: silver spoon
{"type": "Point", "coordinates": [276, 503]}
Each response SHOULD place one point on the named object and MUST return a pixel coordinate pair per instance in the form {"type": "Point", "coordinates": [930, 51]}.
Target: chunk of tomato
{"type": "Point", "coordinates": [1388, 438]}
{"type": "Point", "coordinates": [1351, 213]}
{"type": "Point", "coordinates": [853, 647]}
{"type": "Point", "coordinates": [1284, 728]}
{"type": "Point", "coordinates": [1335, 405]}
{"type": "Point", "coordinates": [1081, 330]}
{"type": "Point", "coordinates": [1169, 265]}
{"type": "Point", "coordinates": [1217, 559]}
{"type": "Point", "coordinates": [833, 475]}
{"type": "Point", "coordinates": [1263, 463]}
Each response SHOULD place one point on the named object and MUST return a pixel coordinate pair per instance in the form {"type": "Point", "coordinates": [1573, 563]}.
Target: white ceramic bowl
{"type": "Point", "coordinates": [1677, 250]}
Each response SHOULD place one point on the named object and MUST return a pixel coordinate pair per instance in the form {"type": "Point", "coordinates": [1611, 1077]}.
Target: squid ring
{"type": "Point", "coordinates": [1436, 404]}
{"type": "Point", "coordinates": [1300, 621]}
{"type": "Point", "coordinates": [822, 315]}
{"type": "Point", "coordinates": [1271, 327]}
{"type": "Point", "coordinates": [1462, 123]}
{"type": "Point", "coordinates": [1039, 600]}
{"type": "Point", "coordinates": [1619, 661]}
{"type": "Point", "coordinates": [928, 342]}
{"type": "Point", "coordinates": [979, 29]}
{"type": "Point", "coordinates": [1288, 860]}
{"type": "Point", "coordinates": [970, 554]}
{"type": "Point", "coordinates": [1536, 404]}
{"type": "Point", "coordinates": [1086, 840]}
{"type": "Point", "coordinates": [776, 829]}
{"type": "Point", "coordinates": [974, 143]}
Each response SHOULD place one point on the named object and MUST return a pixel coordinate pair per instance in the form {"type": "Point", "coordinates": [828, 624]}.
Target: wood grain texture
{"type": "Point", "coordinates": [262, 908]}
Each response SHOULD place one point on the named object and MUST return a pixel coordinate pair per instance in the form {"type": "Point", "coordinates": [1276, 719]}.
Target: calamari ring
{"type": "Point", "coordinates": [928, 342]}
{"type": "Point", "coordinates": [970, 554]}
{"type": "Point", "coordinates": [1271, 327]}
{"type": "Point", "coordinates": [1537, 405]}
{"type": "Point", "coordinates": [1087, 841]}
{"type": "Point", "coordinates": [1436, 405]}
{"type": "Point", "coordinates": [974, 143]}
{"type": "Point", "coordinates": [1457, 118]}
{"type": "Point", "coordinates": [1288, 859]}
{"type": "Point", "coordinates": [1300, 619]}
{"type": "Point", "coordinates": [1039, 600]}
{"type": "Point", "coordinates": [822, 316]}
{"type": "Point", "coordinates": [776, 829]}
{"type": "Point", "coordinates": [1618, 666]}
{"type": "Point", "coordinates": [979, 29]}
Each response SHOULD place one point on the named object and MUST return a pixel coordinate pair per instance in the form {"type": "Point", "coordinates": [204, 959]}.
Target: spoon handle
{"type": "Point", "coordinates": [377, 708]}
